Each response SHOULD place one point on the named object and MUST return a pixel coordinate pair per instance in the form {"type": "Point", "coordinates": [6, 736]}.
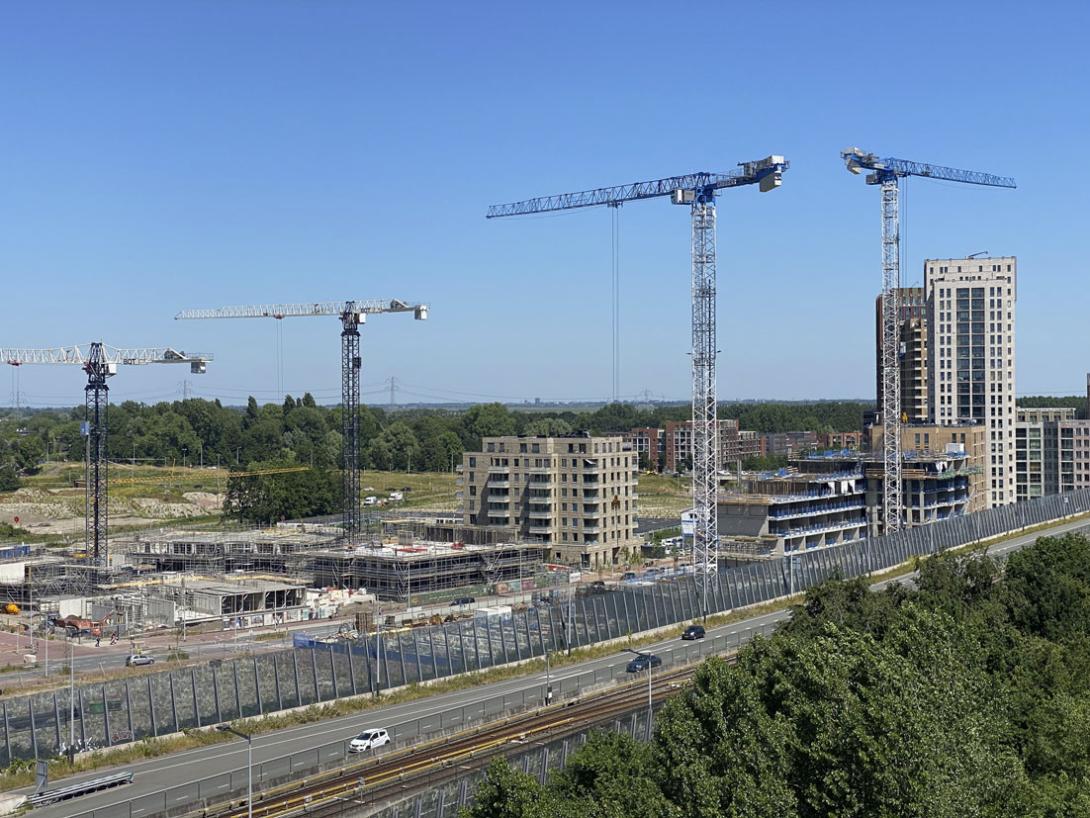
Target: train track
{"type": "Point", "coordinates": [393, 776]}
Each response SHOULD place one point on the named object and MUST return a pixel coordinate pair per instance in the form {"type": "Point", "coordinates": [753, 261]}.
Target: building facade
{"type": "Point", "coordinates": [923, 438]}
{"type": "Point", "coordinates": [788, 444]}
{"type": "Point", "coordinates": [841, 440]}
{"type": "Point", "coordinates": [912, 320]}
{"type": "Point", "coordinates": [575, 494]}
{"type": "Point", "coordinates": [678, 437]}
{"type": "Point", "coordinates": [833, 498]}
{"type": "Point", "coordinates": [971, 361]}
{"type": "Point", "coordinates": [649, 444]}
{"type": "Point", "coordinates": [1052, 451]}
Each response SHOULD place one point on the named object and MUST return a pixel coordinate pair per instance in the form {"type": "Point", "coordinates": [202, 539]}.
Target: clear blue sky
{"type": "Point", "coordinates": [165, 155]}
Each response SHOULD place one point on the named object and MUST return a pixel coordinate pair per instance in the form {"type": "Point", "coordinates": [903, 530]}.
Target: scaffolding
{"type": "Point", "coordinates": [399, 571]}
{"type": "Point", "coordinates": [282, 550]}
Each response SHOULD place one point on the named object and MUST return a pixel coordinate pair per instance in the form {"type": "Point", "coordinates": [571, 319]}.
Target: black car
{"type": "Point", "coordinates": [462, 600]}
{"type": "Point", "coordinates": [694, 632]}
{"type": "Point", "coordinates": [642, 662]}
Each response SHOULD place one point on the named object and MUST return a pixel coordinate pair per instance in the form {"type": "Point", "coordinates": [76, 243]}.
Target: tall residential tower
{"type": "Point", "coordinates": [970, 307]}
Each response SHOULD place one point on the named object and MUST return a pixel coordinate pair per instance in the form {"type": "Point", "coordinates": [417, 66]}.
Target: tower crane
{"type": "Point", "coordinates": [351, 314]}
{"type": "Point", "coordinates": [698, 191]}
{"type": "Point", "coordinates": [100, 362]}
{"type": "Point", "coordinates": [887, 173]}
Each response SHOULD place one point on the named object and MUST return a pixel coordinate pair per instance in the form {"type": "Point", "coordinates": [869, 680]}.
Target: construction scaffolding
{"type": "Point", "coordinates": [398, 571]}
{"type": "Point", "coordinates": [281, 550]}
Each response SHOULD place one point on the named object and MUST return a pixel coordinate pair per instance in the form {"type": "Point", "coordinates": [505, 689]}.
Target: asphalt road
{"type": "Point", "coordinates": [158, 774]}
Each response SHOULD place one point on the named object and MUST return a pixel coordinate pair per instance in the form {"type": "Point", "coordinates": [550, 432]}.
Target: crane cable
{"type": "Point", "coordinates": [615, 303]}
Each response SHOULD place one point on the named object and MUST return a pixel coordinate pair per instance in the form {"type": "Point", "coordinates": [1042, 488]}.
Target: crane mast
{"type": "Point", "coordinates": [698, 191]}
{"type": "Point", "coordinates": [351, 315]}
{"type": "Point", "coordinates": [886, 173]}
{"type": "Point", "coordinates": [100, 362]}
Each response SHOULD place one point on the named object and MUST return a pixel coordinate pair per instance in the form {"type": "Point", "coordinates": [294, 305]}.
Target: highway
{"type": "Point", "coordinates": [158, 774]}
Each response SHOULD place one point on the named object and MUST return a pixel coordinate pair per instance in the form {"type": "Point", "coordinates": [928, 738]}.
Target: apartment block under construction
{"type": "Point", "coordinates": [398, 571]}
{"type": "Point", "coordinates": [575, 494]}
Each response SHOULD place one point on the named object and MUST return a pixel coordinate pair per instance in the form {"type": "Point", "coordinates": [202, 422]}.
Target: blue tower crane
{"type": "Point", "coordinates": [698, 191]}
{"type": "Point", "coordinates": [887, 174]}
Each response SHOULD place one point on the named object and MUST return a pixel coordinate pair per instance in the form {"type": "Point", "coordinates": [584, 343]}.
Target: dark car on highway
{"type": "Point", "coordinates": [642, 662]}
{"type": "Point", "coordinates": [463, 600]}
{"type": "Point", "coordinates": [693, 632]}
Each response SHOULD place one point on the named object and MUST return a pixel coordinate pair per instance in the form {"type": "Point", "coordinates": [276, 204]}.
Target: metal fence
{"type": "Point", "coordinates": [294, 767]}
{"type": "Point", "coordinates": [116, 712]}
{"type": "Point", "coordinates": [447, 798]}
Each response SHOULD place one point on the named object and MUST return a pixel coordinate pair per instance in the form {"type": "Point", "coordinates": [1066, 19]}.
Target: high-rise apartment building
{"type": "Point", "coordinates": [912, 315]}
{"type": "Point", "coordinates": [575, 493]}
{"type": "Point", "coordinates": [971, 373]}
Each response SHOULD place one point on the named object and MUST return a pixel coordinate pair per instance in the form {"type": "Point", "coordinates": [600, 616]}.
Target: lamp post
{"type": "Point", "coordinates": [227, 728]}
{"type": "Point", "coordinates": [548, 682]}
{"type": "Point", "coordinates": [650, 703]}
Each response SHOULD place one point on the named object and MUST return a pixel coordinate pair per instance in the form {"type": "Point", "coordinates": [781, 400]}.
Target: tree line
{"type": "Point", "coordinates": [965, 696]}
{"type": "Point", "coordinates": [202, 432]}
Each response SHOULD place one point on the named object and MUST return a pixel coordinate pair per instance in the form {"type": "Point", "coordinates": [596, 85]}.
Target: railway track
{"type": "Point", "coordinates": [393, 776]}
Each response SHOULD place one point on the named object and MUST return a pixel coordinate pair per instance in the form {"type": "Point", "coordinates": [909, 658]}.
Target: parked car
{"type": "Point", "coordinates": [643, 662]}
{"type": "Point", "coordinates": [370, 500]}
{"type": "Point", "coordinates": [693, 632]}
{"type": "Point", "coordinates": [138, 659]}
{"type": "Point", "coordinates": [629, 576]}
{"type": "Point", "coordinates": [462, 600]}
{"type": "Point", "coordinates": [369, 740]}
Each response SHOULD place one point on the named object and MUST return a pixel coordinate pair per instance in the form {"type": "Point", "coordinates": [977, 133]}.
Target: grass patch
{"type": "Point", "coordinates": [21, 773]}
{"type": "Point", "coordinates": [269, 636]}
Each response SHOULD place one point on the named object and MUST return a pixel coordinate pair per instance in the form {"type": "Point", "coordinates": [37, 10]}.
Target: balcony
{"type": "Point", "coordinates": [541, 513]}
{"type": "Point", "coordinates": [540, 529]}
{"type": "Point", "coordinates": [590, 527]}
{"type": "Point", "coordinates": [459, 481]}
{"type": "Point", "coordinates": [499, 469]}
{"type": "Point", "coordinates": [499, 484]}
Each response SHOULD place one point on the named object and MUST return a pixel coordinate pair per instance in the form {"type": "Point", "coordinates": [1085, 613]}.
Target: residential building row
{"type": "Point", "coordinates": [670, 448]}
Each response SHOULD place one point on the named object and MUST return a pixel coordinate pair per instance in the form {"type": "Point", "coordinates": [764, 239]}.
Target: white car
{"type": "Point", "coordinates": [368, 740]}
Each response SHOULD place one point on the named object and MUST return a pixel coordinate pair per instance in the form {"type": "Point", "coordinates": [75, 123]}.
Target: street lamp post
{"type": "Point", "coordinates": [227, 728]}
{"type": "Point", "coordinates": [650, 701]}
{"type": "Point", "coordinates": [548, 682]}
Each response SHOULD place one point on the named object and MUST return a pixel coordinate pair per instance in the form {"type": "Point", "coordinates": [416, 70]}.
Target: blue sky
{"type": "Point", "coordinates": [158, 156]}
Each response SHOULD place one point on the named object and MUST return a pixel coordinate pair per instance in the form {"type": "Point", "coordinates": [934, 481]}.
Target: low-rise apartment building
{"type": "Point", "coordinates": [649, 444]}
{"type": "Point", "coordinates": [788, 444]}
{"type": "Point", "coordinates": [576, 494]}
{"type": "Point", "coordinates": [1052, 451]}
